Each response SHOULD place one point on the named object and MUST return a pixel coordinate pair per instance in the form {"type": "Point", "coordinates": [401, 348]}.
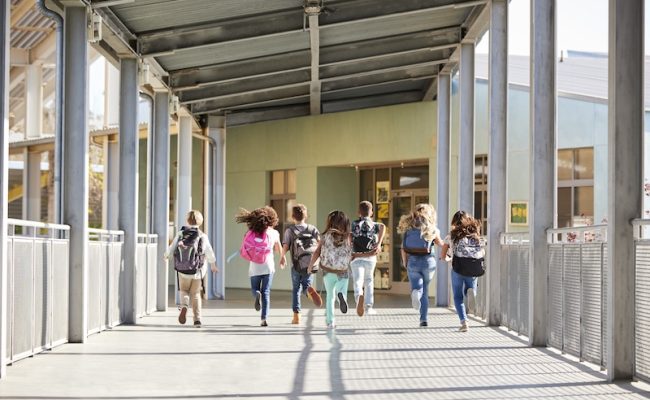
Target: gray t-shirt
{"type": "Point", "coordinates": [288, 235]}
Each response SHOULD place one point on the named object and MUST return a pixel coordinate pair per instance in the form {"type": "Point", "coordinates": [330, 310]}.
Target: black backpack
{"type": "Point", "coordinates": [364, 236]}
{"type": "Point", "coordinates": [188, 256]}
{"type": "Point", "coordinates": [303, 245]}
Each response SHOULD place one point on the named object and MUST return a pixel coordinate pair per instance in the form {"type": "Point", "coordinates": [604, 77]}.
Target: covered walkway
{"type": "Point", "coordinates": [380, 356]}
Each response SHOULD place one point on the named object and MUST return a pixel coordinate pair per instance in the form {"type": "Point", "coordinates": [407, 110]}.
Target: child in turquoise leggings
{"type": "Point", "coordinates": [335, 253]}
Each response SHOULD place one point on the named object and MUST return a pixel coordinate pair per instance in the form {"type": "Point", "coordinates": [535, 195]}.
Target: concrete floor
{"type": "Point", "coordinates": [381, 356]}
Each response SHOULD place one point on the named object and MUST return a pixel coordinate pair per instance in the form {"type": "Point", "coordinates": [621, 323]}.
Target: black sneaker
{"type": "Point", "coordinates": [197, 324]}
{"type": "Point", "coordinates": [258, 297]}
{"type": "Point", "coordinates": [423, 323]}
{"type": "Point", "coordinates": [343, 305]}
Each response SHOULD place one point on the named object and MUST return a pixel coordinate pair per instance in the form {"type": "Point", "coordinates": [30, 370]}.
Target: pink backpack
{"type": "Point", "coordinates": [255, 247]}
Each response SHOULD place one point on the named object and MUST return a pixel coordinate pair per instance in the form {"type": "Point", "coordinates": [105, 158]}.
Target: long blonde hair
{"type": "Point", "coordinates": [423, 217]}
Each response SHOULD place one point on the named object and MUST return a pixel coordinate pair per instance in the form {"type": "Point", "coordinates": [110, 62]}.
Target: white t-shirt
{"type": "Point", "coordinates": [268, 267]}
{"type": "Point", "coordinates": [207, 250]}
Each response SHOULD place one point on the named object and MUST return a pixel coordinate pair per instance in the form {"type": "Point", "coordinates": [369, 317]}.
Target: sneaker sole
{"type": "Point", "coordinates": [314, 296]}
{"type": "Point", "coordinates": [343, 305]}
{"type": "Point", "coordinates": [360, 306]}
{"type": "Point", "coordinates": [182, 316]}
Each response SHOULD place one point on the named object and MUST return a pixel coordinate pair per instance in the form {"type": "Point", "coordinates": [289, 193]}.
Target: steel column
{"type": "Point", "coordinates": [466, 151]}
{"type": "Point", "coordinates": [111, 183]}
{"type": "Point", "coordinates": [542, 161]}
{"type": "Point", "coordinates": [128, 185]}
{"type": "Point", "coordinates": [33, 101]}
{"type": "Point", "coordinates": [497, 153]}
{"type": "Point", "coordinates": [32, 186]}
{"type": "Point", "coordinates": [625, 178]}
{"type": "Point", "coordinates": [161, 191]}
{"type": "Point", "coordinates": [444, 155]}
{"type": "Point", "coordinates": [5, 48]}
{"type": "Point", "coordinates": [217, 131]}
{"type": "Point", "coordinates": [75, 166]}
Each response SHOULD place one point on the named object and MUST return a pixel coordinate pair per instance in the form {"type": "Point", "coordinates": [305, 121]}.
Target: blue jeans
{"type": "Point", "coordinates": [262, 283]}
{"type": "Point", "coordinates": [363, 275]}
{"type": "Point", "coordinates": [300, 284]}
{"type": "Point", "coordinates": [420, 274]}
{"type": "Point", "coordinates": [459, 285]}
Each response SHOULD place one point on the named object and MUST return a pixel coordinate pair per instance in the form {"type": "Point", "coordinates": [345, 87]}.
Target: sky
{"type": "Point", "coordinates": [581, 25]}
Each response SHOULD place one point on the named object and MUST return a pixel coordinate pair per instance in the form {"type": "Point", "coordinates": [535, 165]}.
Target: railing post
{"type": "Point", "coordinates": [161, 193]}
{"type": "Point", "coordinates": [443, 147]}
{"type": "Point", "coordinates": [4, 175]}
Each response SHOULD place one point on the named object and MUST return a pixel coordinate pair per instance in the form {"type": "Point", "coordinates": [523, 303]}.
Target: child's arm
{"type": "Point", "coordinates": [172, 247]}
{"type": "Point", "coordinates": [443, 253]}
{"type": "Point", "coordinates": [209, 254]}
{"type": "Point", "coordinates": [283, 254]}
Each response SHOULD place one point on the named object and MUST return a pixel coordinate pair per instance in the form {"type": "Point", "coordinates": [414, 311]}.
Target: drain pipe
{"type": "Point", "coordinates": [58, 106]}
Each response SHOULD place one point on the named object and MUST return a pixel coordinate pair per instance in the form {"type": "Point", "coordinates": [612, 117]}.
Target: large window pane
{"type": "Point", "coordinates": [478, 202]}
{"type": "Point", "coordinates": [277, 183]}
{"type": "Point", "coordinates": [291, 181]}
{"type": "Point", "coordinates": [411, 177]}
{"type": "Point", "coordinates": [584, 205]}
{"type": "Point", "coordinates": [584, 163]}
{"type": "Point", "coordinates": [564, 209]}
{"type": "Point", "coordinates": [565, 165]}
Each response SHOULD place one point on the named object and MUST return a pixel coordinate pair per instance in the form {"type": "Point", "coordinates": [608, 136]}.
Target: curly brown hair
{"type": "Point", "coordinates": [464, 225]}
{"type": "Point", "coordinates": [259, 219]}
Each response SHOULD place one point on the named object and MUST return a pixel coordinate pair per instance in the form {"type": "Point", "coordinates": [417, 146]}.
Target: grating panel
{"type": "Point", "coordinates": [60, 284]}
{"type": "Point", "coordinates": [152, 249]}
{"type": "Point", "coordinates": [23, 316]}
{"type": "Point", "coordinates": [104, 286]}
{"type": "Point", "coordinates": [604, 300]}
{"type": "Point", "coordinates": [524, 293]}
{"type": "Point", "coordinates": [94, 266]}
{"type": "Point", "coordinates": [10, 297]}
{"type": "Point", "coordinates": [140, 278]}
{"type": "Point", "coordinates": [642, 311]}
{"type": "Point", "coordinates": [592, 302]}
{"type": "Point", "coordinates": [556, 296]}
{"type": "Point", "coordinates": [504, 285]}
{"type": "Point", "coordinates": [513, 288]}
{"type": "Point", "coordinates": [42, 316]}
{"type": "Point", "coordinates": [117, 281]}
{"type": "Point", "coordinates": [572, 299]}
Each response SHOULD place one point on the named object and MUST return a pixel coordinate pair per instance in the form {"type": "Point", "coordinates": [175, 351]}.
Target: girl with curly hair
{"type": "Point", "coordinates": [464, 241]}
{"type": "Point", "coordinates": [419, 235]}
{"type": "Point", "coordinates": [261, 222]}
{"type": "Point", "coordinates": [335, 253]}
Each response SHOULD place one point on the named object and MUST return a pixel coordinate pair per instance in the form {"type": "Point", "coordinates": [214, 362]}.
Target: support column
{"type": "Point", "coordinates": [75, 170]}
{"type": "Point", "coordinates": [444, 155]}
{"type": "Point", "coordinates": [33, 101]}
{"type": "Point", "coordinates": [32, 186]}
{"type": "Point", "coordinates": [183, 177]}
{"type": "Point", "coordinates": [217, 131]}
{"type": "Point", "coordinates": [128, 186]}
{"type": "Point", "coordinates": [625, 179]}
{"type": "Point", "coordinates": [466, 151]}
{"type": "Point", "coordinates": [111, 183]}
{"type": "Point", "coordinates": [542, 161]}
{"type": "Point", "coordinates": [4, 175]}
{"type": "Point", "coordinates": [497, 153]}
{"type": "Point", "coordinates": [161, 191]}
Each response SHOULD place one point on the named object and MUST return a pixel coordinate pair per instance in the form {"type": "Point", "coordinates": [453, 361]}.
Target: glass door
{"type": "Point", "coordinates": [402, 203]}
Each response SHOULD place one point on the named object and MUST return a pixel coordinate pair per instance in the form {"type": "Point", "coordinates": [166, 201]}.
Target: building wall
{"type": "Point", "coordinates": [323, 150]}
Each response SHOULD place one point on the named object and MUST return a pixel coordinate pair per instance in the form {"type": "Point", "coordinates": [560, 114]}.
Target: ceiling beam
{"type": "Point", "coordinates": [213, 35]}
{"type": "Point", "coordinates": [268, 114]}
{"type": "Point", "coordinates": [371, 101]}
{"type": "Point", "coordinates": [314, 88]}
{"type": "Point", "coordinates": [215, 94]}
{"type": "Point", "coordinates": [42, 51]}
{"type": "Point", "coordinates": [20, 10]}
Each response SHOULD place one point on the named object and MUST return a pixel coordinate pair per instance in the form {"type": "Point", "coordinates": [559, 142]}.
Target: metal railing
{"type": "Point", "coordinates": [146, 256]}
{"type": "Point", "coordinates": [515, 252]}
{"type": "Point", "coordinates": [576, 287]}
{"type": "Point", "coordinates": [105, 278]}
{"type": "Point", "coordinates": [38, 282]}
{"type": "Point", "coordinates": [642, 299]}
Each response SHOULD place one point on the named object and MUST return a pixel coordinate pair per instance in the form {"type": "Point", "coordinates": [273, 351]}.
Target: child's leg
{"type": "Point", "coordinates": [329, 280]}
{"type": "Point", "coordinates": [357, 269]}
{"type": "Point", "coordinates": [184, 286]}
{"type": "Point", "coordinates": [256, 283]}
{"type": "Point", "coordinates": [266, 294]}
{"type": "Point", "coordinates": [195, 294]}
{"type": "Point", "coordinates": [341, 286]}
{"type": "Point", "coordinates": [457, 283]}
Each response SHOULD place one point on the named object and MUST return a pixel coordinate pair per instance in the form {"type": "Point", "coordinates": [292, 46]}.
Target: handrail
{"type": "Point", "coordinates": [578, 234]}
{"type": "Point", "coordinates": [514, 238]}
{"type": "Point", "coordinates": [36, 224]}
{"type": "Point", "coordinates": [105, 231]}
{"type": "Point", "coordinates": [147, 238]}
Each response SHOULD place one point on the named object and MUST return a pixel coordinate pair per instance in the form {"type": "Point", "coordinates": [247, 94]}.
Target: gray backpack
{"type": "Point", "coordinates": [303, 245]}
{"type": "Point", "coordinates": [188, 256]}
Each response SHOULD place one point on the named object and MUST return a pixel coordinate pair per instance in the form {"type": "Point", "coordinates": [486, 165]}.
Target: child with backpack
{"type": "Point", "coordinates": [335, 253]}
{"type": "Point", "coordinates": [257, 247]}
{"type": "Point", "coordinates": [467, 262]}
{"type": "Point", "coordinates": [191, 249]}
{"type": "Point", "coordinates": [367, 236]}
{"type": "Point", "coordinates": [419, 235]}
{"type": "Point", "coordinates": [301, 239]}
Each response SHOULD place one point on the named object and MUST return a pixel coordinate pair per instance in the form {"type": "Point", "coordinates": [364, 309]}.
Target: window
{"type": "Point", "coordinates": [283, 195]}
{"type": "Point", "coordinates": [575, 192]}
{"type": "Point", "coordinates": [480, 190]}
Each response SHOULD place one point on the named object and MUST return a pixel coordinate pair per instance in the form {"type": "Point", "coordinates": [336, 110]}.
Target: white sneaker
{"type": "Point", "coordinates": [471, 301]}
{"type": "Point", "coordinates": [463, 327]}
{"type": "Point", "coordinates": [331, 325]}
{"type": "Point", "coordinates": [415, 300]}
{"type": "Point", "coordinates": [370, 310]}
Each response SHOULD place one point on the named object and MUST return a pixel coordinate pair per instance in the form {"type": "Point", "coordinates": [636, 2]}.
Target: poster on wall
{"type": "Point", "coordinates": [519, 213]}
{"type": "Point", "coordinates": [382, 211]}
{"type": "Point", "coordinates": [383, 190]}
